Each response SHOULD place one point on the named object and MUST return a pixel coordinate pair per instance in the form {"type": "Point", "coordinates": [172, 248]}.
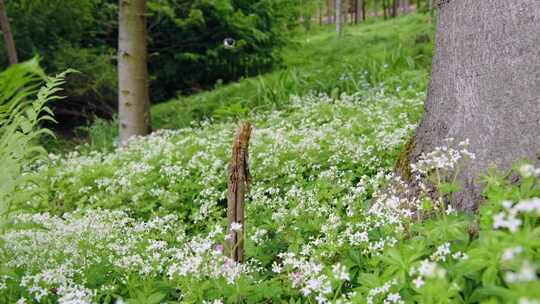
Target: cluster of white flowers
{"type": "Point", "coordinates": [510, 253]}
{"type": "Point", "coordinates": [391, 206]}
{"type": "Point", "coordinates": [441, 253]}
{"type": "Point", "coordinates": [427, 269]}
{"type": "Point", "coordinates": [526, 273]}
{"type": "Point", "coordinates": [258, 236]}
{"type": "Point", "coordinates": [219, 301]}
{"type": "Point", "coordinates": [383, 293]}
{"type": "Point", "coordinates": [340, 272]}
{"type": "Point", "coordinates": [528, 170]}
{"type": "Point", "coordinates": [311, 277]}
{"type": "Point", "coordinates": [305, 171]}
{"type": "Point", "coordinates": [444, 158]}
{"type": "Point", "coordinates": [3, 280]}
{"type": "Point", "coordinates": [430, 269]}
{"type": "Point", "coordinates": [510, 217]}
{"type": "Point", "coordinates": [56, 253]}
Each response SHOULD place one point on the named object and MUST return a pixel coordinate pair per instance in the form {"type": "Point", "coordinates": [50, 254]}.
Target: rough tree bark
{"type": "Point", "coordinates": [8, 36]}
{"type": "Point", "coordinates": [339, 17]}
{"type": "Point", "coordinates": [238, 184]}
{"type": "Point", "coordinates": [485, 87]}
{"type": "Point", "coordinates": [133, 95]}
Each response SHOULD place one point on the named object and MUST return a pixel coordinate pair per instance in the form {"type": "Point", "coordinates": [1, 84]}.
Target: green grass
{"type": "Point", "coordinates": [397, 52]}
{"type": "Point", "coordinates": [317, 61]}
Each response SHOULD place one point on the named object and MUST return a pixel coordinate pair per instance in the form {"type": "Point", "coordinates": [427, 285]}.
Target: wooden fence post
{"type": "Point", "coordinates": [238, 184]}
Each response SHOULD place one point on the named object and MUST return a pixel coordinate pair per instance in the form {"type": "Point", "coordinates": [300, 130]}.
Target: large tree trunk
{"type": "Point", "coordinates": [485, 87]}
{"type": "Point", "coordinates": [133, 95]}
{"type": "Point", "coordinates": [8, 36]}
{"type": "Point", "coordinates": [339, 17]}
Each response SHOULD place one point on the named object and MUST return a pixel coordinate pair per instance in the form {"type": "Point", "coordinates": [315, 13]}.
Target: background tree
{"type": "Point", "coordinates": [133, 97]}
{"type": "Point", "coordinates": [329, 11]}
{"type": "Point", "coordinates": [404, 6]}
{"type": "Point", "coordinates": [8, 37]}
{"type": "Point", "coordinates": [359, 13]}
{"type": "Point", "coordinates": [185, 38]}
{"type": "Point", "coordinates": [430, 11]}
{"type": "Point", "coordinates": [485, 88]}
{"type": "Point", "coordinates": [339, 17]}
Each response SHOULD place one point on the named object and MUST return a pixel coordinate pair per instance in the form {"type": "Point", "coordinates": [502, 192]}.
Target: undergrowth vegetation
{"type": "Point", "coordinates": [396, 53]}
{"type": "Point", "coordinates": [23, 107]}
{"type": "Point", "coordinates": [326, 220]}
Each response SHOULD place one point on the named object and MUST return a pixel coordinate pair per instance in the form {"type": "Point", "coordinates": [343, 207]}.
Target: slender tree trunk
{"type": "Point", "coordinates": [8, 36]}
{"type": "Point", "coordinates": [338, 18]}
{"type": "Point", "coordinates": [133, 95]}
{"type": "Point", "coordinates": [358, 10]}
{"type": "Point", "coordinates": [321, 14]}
{"type": "Point", "coordinates": [404, 6]}
{"type": "Point", "coordinates": [394, 8]}
{"type": "Point", "coordinates": [364, 12]}
{"type": "Point", "coordinates": [330, 17]}
{"type": "Point", "coordinates": [430, 11]}
{"type": "Point", "coordinates": [385, 8]}
{"type": "Point", "coordinates": [485, 88]}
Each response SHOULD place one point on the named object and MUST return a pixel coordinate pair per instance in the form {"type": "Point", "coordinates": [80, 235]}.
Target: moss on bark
{"type": "Point", "coordinates": [403, 162]}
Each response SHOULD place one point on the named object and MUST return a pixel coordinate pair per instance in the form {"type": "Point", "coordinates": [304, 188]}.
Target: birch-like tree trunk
{"type": "Point", "coordinates": [133, 92]}
{"type": "Point", "coordinates": [339, 17]}
{"type": "Point", "coordinates": [8, 36]}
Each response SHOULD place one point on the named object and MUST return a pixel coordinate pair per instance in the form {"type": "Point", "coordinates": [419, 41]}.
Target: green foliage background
{"type": "Point", "coordinates": [186, 52]}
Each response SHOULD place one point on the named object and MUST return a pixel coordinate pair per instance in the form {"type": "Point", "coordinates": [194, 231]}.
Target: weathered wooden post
{"type": "Point", "coordinates": [238, 184]}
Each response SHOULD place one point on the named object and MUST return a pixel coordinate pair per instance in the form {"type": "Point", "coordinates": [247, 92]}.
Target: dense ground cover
{"type": "Point", "coordinates": [326, 221]}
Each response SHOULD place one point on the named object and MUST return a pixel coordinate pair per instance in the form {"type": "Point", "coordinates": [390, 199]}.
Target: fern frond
{"type": "Point", "coordinates": [20, 118]}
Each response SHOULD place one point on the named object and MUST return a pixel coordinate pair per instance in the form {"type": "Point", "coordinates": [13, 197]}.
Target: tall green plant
{"type": "Point", "coordinates": [23, 106]}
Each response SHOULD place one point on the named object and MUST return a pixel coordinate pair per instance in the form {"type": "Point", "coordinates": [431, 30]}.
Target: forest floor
{"type": "Point", "coordinates": [326, 220]}
{"type": "Point", "coordinates": [397, 52]}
